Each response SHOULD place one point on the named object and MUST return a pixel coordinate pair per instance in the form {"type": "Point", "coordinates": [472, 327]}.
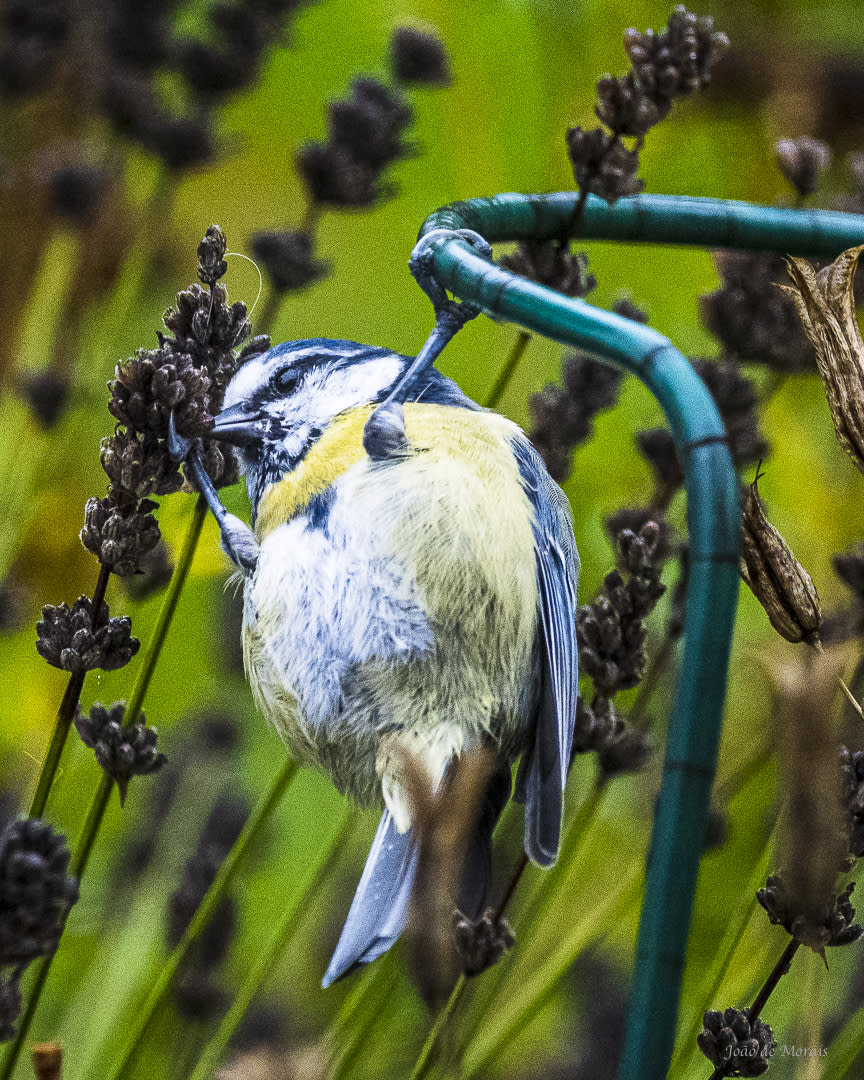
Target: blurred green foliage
{"type": "Point", "coordinates": [523, 70]}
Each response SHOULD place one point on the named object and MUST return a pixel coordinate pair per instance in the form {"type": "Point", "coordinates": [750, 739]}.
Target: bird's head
{"type": "Point", "coordinates": [279, 403]}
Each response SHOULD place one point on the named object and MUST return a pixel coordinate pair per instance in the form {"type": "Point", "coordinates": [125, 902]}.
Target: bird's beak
{"type": "Point", "coordinates": [241, 426]}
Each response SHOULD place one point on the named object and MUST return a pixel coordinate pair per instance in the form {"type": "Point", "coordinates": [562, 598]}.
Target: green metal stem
{"type": "Point", "coordinates": [712, 511]}
{"type": "Point", "coordinates": [657, 219]}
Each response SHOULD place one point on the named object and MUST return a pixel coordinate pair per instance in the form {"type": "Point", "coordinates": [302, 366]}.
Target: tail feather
{"type": "Point", "coordinates": [380, 906]}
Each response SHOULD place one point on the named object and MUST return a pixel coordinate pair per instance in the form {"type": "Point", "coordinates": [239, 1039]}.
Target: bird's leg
{"type": "Point", "coordinates": [384, 434]}
{"type": "Point", "coordinates": [238, 540]}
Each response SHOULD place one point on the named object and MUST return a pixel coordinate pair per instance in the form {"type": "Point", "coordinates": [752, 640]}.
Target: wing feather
{"type": "Point", "coordinates": [543, 771]}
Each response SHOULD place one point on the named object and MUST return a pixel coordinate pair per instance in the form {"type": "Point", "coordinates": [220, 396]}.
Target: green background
{"type": "Point", "coordinates": [522, 73]}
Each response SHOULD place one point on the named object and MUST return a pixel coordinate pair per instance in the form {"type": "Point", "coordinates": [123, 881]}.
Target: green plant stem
{"type": "Point", "coordinates": [780, 969]}
{"type": "Point", "coordinates": [77, 868]}
{"type": "Point", "coordinates": [166, 613]}
{"type": "Point", "coordinates": [269, 310]}
{"type": "Point", "coordinates": [268, 957]}
{"type": "Point", "coordinates": [350, 1036]}
{"type": "Point", "coordinates": [96, 814]}
{"type": "Point", "coordinates": [711, 983]}
{"type": "Point", "coordinates": [143, 1015]}
{"type": "Point", "coordinates": [509, 370]}
{"type": "Point", "coordinates": [66, 713]}
{"type": "Point", "coordinates": [424, 1059]}
{"type": "Point", "coordinates": [572, 843]}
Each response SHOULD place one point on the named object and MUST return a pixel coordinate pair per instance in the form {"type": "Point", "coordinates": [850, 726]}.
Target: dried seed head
{"type": "Point", "coordinates": [620, 746]}
{"type": "Point", "coordinates": [153, 384]}
{"type": "Point", "coordinates": [289, 259]}
{"type": "Point", "coordinates": [830, 926]}
{"type": "Point", "coordinates": [47, 393]}
{"type": "Point", "coordinates": [678, 61]}
{"type": "Point", "coordinates": [826, 306]}
{"type": "Point", "coordinates": [602, 164]}
{"type": "Point", "coordinates": [68, 639]}
{"type": "Point", "coordinates": [550, 264]}
{"type": "Point", "coordinates": [123, 750]}
{"type": "Point", "coordinates": [736, 1045]}
{"type": "Point", "coordinates": [625, 307]}
{"type": "Point", "coordinates": [735, 398]}
{"type": "Point", "coordinates": [803, 161]}
{"type": "Point", "coordinates": [625, 108]}
{"type": "Point", "coordinates": [775, 577]}
{"type": "Point", "coordinates": [35, 892]}
{"type": "Point", "coordinates": [120, 536]}
{"type": "Point", "coordinates": [482, 942]}
{"type": "Point", "coordinates": [333, 177]}
{"type": "Point", "coordinates": [211, 255]}
{"type": "Point", "coordinates": [563, 416]}
{"type": "Point", "coordinates": [657, 447]}
{"type": "Point", "coordinates": [370, 123]}
{"type": "Point", "coordinates": [417, 57]}
{"type": "Point", "coordinates": [138, 466]}
{"type": "Point", "coordinates": [753, 319]}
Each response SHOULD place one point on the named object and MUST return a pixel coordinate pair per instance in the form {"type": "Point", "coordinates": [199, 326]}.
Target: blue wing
{"type": "Point", "coordinates": [380, 905]}
{"type": "Point", "coordinates": [543, 770]}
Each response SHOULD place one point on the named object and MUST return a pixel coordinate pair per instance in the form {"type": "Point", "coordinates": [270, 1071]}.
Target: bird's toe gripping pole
{"type": "Point", "coordinates": [712, 506]}
{"type": "Point", "coordinates": [384, 434]}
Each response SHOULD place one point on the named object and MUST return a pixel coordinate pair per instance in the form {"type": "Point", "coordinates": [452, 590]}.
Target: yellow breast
{"type": "Point", "coordinates": [438, 432]}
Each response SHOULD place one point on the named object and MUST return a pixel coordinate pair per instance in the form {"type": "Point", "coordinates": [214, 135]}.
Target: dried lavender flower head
{"type": "Point", "coordinates": [123, 750]}
{"type": "Point", "coordinates": [418, 57]}
{"type": "Point", "coordinates": [35, 891]}
{"type": "Point", "coordinates": [68, 639]}
{"type": "Point", "coordinates": [211, 256]}
{"type": "Point", "coordinates": [803, 161]}
{"type": "Point", "coordinates": [289, 260]}
{"type": "Point", "coordinates": [735, 1044]}
{"type": "Point", "coordinates": [752, 318]}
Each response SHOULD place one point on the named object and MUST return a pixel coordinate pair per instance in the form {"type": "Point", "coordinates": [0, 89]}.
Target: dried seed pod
{"type": "Point", "coordinates": [482, 942]}
{"type": "Point", "coordinates": [826, 307]}
{"type": "Point", "coordinates": [735, 1043]}
{"type": "Point", "coordinates": [803, 161]}
{"type": "Point", "coordinates": [775, 577]}
{"type": "Point", "coordinates": [123, 750]}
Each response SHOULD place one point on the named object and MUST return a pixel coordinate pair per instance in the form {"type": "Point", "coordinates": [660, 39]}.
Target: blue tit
{"type": "Point", "coordinates": [417, 602]}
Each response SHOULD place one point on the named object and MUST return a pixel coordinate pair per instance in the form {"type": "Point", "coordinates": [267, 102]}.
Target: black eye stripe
{"type": "Point", "coordinates": [286, 381]}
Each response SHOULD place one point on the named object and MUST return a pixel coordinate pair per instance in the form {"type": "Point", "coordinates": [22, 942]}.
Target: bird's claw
{"type": "Point", "coordinates": [178, 445]}
{"type": "Point", "coordinates": [420, 265]}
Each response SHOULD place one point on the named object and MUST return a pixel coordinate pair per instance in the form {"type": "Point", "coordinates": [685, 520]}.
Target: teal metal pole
{"type": "Point", "coordinates": [682, 806]}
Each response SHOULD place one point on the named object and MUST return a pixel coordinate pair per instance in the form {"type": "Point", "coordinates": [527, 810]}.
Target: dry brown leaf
{"type": "Point", "coordinates": [826, 306]}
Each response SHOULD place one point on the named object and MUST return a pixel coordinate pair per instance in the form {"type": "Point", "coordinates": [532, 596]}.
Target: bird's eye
{"type": "Point", "coordinates": [286, 382]}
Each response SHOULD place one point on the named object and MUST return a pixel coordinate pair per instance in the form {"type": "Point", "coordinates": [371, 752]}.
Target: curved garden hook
{"type": "Point", "coordinates": [712, 509]}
